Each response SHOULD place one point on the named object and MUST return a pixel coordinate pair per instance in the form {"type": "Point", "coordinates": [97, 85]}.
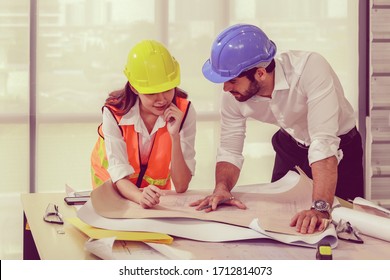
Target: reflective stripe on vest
{"type": "Point", "coordinates": [157, 172]}
{"type": "Point", "coordinates": [99, 163]}
{"type": "Point", "coordinates": [151, 181]}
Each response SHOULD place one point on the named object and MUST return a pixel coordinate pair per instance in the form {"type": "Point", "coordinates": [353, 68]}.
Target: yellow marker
{"type": "Point", "coordinates": [98, 233]}
{"type": "Point", "coordinates": [324, 251]}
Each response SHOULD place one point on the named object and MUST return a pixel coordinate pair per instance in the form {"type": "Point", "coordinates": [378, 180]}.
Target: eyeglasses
{"type": "Point", "coordinates": [52, 215]}
{"type": "Point", "coordinates": [345, 231]}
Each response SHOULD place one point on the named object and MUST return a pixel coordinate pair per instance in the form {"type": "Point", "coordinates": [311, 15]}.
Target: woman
{"type": "Point", "coordinates": [148, 131]}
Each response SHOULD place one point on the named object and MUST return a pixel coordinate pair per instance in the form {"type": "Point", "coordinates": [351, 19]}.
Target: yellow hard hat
{"type": "Point", "coordinates": [151, 68]}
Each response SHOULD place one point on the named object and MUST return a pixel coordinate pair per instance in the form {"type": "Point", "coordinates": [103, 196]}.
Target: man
{"type": "Point", "coordinates": [299, 92]}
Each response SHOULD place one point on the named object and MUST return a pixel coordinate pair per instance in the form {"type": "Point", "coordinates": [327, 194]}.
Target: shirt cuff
{"type": "Point", "coordinates": [191, 166]}
{"type": "Point", "coordinates": [120, 171]}
{"type": "Point", "coordinates": [237, 160]}
{"type": "Point", "coordinates": [319, 150]}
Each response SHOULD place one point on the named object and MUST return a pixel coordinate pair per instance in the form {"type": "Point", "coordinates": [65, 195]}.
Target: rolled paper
{"type": "Point", "coordinates": [367, 224]}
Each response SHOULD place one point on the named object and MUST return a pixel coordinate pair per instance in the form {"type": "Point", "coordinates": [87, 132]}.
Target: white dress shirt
{"type": "Point", "coordinates": [308, 102]}
{"type": "Point", "coordinates": [118, 164]}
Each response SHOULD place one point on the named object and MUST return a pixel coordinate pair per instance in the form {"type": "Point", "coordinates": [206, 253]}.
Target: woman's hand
{"type": "Point", "coordinates": [173, 116]}
{"type": "Point", "coordinates": [150, 196]}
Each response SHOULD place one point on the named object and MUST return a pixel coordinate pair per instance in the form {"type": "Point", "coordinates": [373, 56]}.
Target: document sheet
{"type": "Point", "coordinates": [270, 208]}
{"type": "Point", "coordinates": [273, 211]}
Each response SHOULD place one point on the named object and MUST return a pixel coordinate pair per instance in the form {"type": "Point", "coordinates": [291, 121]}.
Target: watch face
{"type": "Point", "coordinates": [321, 205]}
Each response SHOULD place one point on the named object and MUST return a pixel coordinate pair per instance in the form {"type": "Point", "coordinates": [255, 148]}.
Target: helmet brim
{"type": "Point", "coordinates": [213, 76]}
{"type": "Point", "coordinates": [158, 88]}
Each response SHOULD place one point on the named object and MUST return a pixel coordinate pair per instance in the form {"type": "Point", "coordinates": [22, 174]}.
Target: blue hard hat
{"type": "Point", "coordinates": [236, 49]}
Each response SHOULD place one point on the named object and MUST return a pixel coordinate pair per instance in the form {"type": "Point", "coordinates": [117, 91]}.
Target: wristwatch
{"type": "Point", "coordinates": [321, 205]}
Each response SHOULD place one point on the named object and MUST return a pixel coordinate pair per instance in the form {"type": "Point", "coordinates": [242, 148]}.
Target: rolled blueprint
{"type": "Point", "coordinates": [368, 224]}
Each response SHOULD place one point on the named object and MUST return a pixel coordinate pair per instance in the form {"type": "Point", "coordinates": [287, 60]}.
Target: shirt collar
{"type": "Point", "coordinates": [279, 84]}
{"type": "Point", "coordinates": [280, 78]}
{"type": "Point", "coordinates": [133, 117]}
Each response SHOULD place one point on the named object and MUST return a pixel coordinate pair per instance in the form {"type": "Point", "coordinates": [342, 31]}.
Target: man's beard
{"type": "Point", "coordinates": [253, 89]}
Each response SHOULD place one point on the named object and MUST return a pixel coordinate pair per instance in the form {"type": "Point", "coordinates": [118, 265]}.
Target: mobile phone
{"type": "Point", "coordinates": [76, 200]}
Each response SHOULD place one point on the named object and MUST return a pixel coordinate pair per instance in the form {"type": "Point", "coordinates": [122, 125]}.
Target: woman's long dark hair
{"type": "Point", "coordinates": [124, 99]}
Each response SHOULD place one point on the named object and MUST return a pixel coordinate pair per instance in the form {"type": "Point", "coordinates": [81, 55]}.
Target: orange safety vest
{"type": "Point", "coordinates": [156, 171]}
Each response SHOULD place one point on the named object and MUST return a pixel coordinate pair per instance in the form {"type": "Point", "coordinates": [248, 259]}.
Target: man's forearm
{"type": "Point", "coordinates": [226, 175]}
{"type": "Point", "coordinates": [324, 179]}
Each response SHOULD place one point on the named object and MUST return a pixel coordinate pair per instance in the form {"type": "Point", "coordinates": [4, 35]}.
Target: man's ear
{"type": "Point", "coordinates": [261, 73]}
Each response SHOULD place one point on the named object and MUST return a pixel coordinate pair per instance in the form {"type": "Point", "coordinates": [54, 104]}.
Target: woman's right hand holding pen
{"type": "Point", "coordinates": [150, 196]}
{"type": "Point", "coordinates": [146, 197]}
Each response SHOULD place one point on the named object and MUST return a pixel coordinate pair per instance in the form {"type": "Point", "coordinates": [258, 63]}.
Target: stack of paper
{"type": "Point", "coordinates": [116, 244]}
{"type": "Point", "coordinates": [111, 249]}
{"type": "Point", "coordinates": [270, 207]}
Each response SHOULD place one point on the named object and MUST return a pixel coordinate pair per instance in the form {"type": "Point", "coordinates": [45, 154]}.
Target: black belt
{"type": "Point", "coordinates": [345, 138]}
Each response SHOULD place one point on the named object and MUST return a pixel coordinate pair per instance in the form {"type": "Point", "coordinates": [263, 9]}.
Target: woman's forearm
{"type": "Point", "coordinates": [181, 174]}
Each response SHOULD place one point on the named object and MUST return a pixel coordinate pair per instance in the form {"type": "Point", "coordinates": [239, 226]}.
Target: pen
{"type": "Point", "coordinates": [222, 201]}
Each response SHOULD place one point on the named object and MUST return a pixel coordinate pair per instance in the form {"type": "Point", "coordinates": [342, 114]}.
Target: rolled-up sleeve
{"type": "Point", "coordinates": [118, 164]}
{"type": "Point", "coordinates": [233, 128]}
{"type": "Point", "coordinates": [321, 149]}
{"type": "Point", "coordinates": [323, 109]}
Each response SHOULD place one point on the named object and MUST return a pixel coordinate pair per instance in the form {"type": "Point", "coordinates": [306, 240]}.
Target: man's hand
{"type": "Point", "coordinates": [309, 221]}
{"type": "Point", "coordinates": [211, 202]}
